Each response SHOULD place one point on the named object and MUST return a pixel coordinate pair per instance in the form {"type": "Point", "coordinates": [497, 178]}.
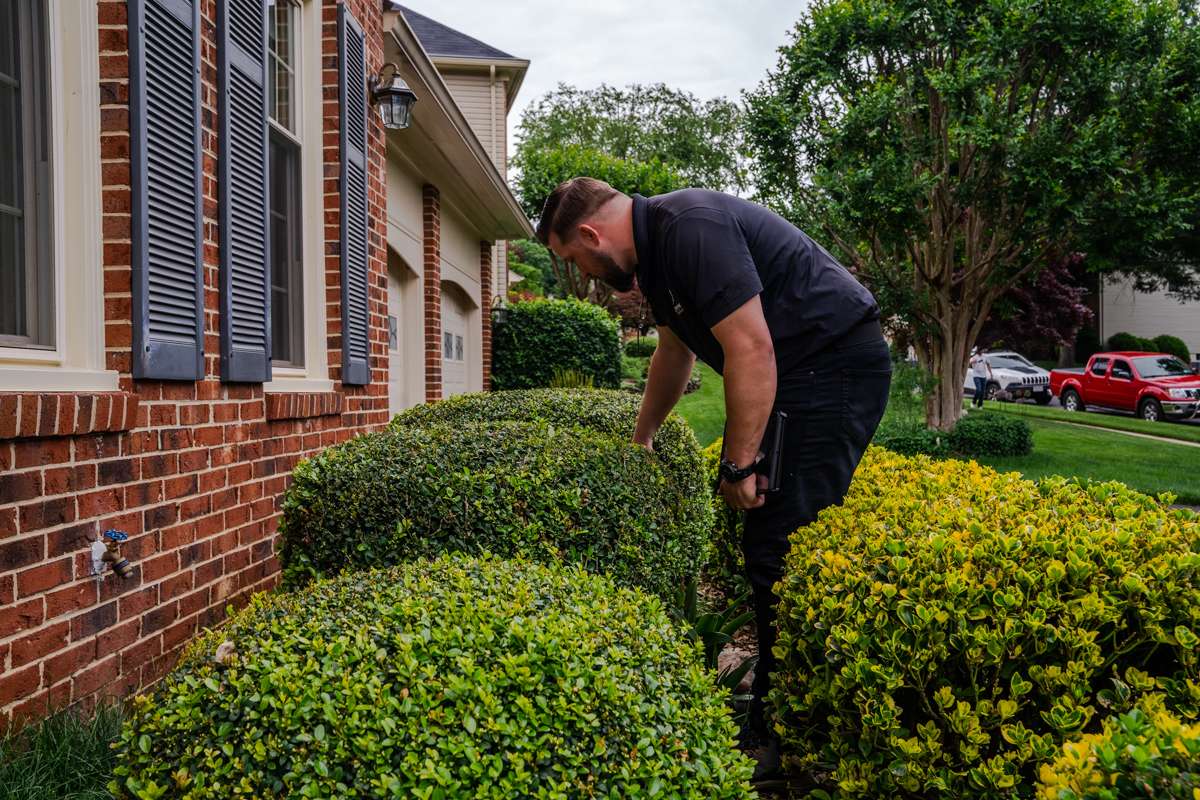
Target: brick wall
{"type": "Point", "coordinates": [192, 471]}
{"type": "Point", "coordinates": [432, 222]}
{"type": "Point", "coordinates": [485, 313]}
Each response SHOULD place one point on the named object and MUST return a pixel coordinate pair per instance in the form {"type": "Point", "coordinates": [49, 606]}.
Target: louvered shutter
{"type": "Point", "coordinates": [352, 94]}
{"type": "Point", "coordinates": [243, 188]}
{"type": "Point", "coordinates": [164, 97]}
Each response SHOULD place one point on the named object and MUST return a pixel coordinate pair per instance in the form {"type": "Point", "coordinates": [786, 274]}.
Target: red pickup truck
{"type": "Point", "coordinates": [1153, 385]}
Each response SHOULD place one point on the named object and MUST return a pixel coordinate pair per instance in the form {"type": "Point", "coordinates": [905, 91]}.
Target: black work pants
{"type": "Point", "coordinates": [834, 403]}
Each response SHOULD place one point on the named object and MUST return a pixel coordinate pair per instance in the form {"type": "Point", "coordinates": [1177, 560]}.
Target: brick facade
{"type": "Point", "coordinates": [432, 221]}
{"type": "Point", "coordinates": [192, 471]}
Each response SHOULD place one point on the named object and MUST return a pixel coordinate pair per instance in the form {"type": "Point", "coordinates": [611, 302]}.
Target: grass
{"type": "Point", "coordinates": [1168, 430]}
{"type": "Point", "coordinates": [704, 409]}
{"type": "Point", "coordinates": [1148, 466]}
{"type": "Point", "coordinates": [65, 756]}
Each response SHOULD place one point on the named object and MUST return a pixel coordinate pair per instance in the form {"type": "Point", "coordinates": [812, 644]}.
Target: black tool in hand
{"type": "Point", "coordinates": [770, 454]}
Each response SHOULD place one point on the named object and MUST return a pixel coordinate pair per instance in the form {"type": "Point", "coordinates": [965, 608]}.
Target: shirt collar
{"type": "Point", "coordinates": [641, 235]}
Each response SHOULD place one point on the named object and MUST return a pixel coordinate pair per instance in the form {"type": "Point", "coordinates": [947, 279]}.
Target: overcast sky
{"type": "Point", "coordinates": [708, 47]}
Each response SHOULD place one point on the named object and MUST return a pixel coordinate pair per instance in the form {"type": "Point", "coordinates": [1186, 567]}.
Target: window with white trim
{"type": "Point", "coordinates": [26, 260]}
{"type": "Point", "coordinates": [284, 143]}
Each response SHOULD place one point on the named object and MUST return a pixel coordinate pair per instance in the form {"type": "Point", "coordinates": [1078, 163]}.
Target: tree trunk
{"type": "Point", "coordinates": [944, 353]}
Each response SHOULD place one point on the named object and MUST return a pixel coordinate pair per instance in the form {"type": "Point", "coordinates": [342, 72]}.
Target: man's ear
{"type": "Point", "coordinates": [589, 235]}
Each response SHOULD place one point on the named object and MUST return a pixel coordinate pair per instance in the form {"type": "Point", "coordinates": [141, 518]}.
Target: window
{"type": "Point", "coordinates": [448, 345]}
{"type": "Point", "coordinates": [1121, 370]}
{"type": "Point", "coordinates": [1161, 367]}
{"type": "Point", "coordinates": [287, 264]}
{"type": "Point", "coordinates": [1099, 367]}
{"type": "Point", "coordinates": [26, 265]}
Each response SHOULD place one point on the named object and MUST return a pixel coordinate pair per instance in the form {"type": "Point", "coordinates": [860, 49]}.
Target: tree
{"type": "Point", "coordinates": [948, 151]}
{"type": "Point", "coordinates": [698, 140]}
{"type": "Point", "coordinates": [542, 170]}
{"type": "Point", "coordinates": [535, 254]}
{"type": "Point", "coordinates": [1041, 313]}
{"type": "Point", "coordinates": [633, 310]}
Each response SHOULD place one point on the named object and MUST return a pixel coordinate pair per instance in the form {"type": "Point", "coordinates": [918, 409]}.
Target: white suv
{"type": "Point", "coordinates": [1015, 374]}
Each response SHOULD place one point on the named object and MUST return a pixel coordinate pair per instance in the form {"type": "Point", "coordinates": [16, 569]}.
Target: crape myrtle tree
{"type": "Point", "coordinates": [647, 139]}
{"type": "Point", "coordinates": [946, 151]}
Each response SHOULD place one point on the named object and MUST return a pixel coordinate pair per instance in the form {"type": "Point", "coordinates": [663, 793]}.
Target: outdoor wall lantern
{"type": "Point", "coordinates": [393, 97]}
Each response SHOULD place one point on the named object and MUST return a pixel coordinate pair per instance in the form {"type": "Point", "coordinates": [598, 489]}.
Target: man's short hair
{"type": "Point", "coordinates": [571, 202]}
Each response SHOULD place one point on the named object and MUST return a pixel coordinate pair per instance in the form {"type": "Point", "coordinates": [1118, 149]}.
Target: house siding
{"type": "Point", "coordinates": [1148, 314]}
{"type": "Point", "coordinates": [192, 471]}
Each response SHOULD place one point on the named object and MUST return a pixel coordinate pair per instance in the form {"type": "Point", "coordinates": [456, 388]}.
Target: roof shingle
{"type": "Point", "coordinates": [442, 40]}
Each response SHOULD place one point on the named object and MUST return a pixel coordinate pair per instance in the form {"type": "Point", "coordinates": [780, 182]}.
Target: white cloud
{"type": "Point", "coordinates": [708, 47]}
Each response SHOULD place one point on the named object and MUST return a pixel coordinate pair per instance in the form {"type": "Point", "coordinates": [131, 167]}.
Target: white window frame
{"type": "Point", "coordinates": [307, 108]}
{"type": "Point", "coordinates": [76, 361]}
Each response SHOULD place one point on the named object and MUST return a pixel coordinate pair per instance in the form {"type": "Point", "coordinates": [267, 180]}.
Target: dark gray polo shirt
{"type": "Point", "coordinates": [702, 254]}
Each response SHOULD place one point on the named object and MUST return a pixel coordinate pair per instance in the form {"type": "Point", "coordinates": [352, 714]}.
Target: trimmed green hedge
{"type": "Point", "coordinates": [983, 434]}
{"type": "Point", "coordinates": [1127, 341]}
{"type": "Point", "coordinates": [613, 413]}
{"type": "Point", "coordinates": [509, 488]}
{"type": "Point", "coordinates": [541, 336]}
{"type": "Point", "coordinates": [726, 566]}
{"type": "Point", "coordinates": [1173, 345]}
{"type": "Point", "coordinates": [947, 628]}
{"type": "Point", "coordinates": [453, 678]}
{"type": "Point", "coordinates": [641, 348]}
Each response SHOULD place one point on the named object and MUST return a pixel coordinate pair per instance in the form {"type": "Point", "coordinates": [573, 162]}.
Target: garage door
{"type": "Point", "coordinates": [454, 342]}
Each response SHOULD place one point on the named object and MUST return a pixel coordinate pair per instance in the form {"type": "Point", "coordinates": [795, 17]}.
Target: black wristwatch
{"type": "Point", "coordinates": [732, 473]}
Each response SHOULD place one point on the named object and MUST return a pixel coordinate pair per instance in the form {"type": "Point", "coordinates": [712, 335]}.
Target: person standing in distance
{"type": "Point", "coordinates": [981, 373]}
{"type": "Point", "coordinates": [786, 325]}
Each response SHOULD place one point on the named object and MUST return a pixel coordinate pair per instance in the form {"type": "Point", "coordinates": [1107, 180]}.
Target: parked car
{"type": "Point", "coordinates": [1155, 386]}
{"type": "Point", "coordinates": [1015, 374]}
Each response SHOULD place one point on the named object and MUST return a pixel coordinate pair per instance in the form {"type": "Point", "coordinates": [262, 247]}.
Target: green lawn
{"type": "Point", "coordinates": [1147, 466]}
{"type": "Point", "coordinates": [704, 409]}
{"type": "Point", "coordinates": [1187, 432]}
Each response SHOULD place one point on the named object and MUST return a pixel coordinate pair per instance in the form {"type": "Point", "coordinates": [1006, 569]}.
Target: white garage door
{"type": "Point", "coordinates": [454, 343]}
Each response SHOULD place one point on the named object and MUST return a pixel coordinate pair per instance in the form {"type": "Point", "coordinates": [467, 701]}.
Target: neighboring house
{"type": "Point", "coordinates": [214, 262]}
{"type": "Point", "coordinates": [1146, 314]}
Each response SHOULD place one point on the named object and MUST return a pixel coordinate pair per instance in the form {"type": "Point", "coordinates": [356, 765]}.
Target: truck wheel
{"type": "Point", "coordinates": [1071, 401]}
{"type": "Point", "coordinates": [1043, 399]}
{"type": "Point", "coordinates": [990, 391]}
{"type": "Point", "coordinates": [1150, 410]}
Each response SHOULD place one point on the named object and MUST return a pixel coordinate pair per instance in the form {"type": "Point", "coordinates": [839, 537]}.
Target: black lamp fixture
{"type": "Point", "coordinates": [393, 97]}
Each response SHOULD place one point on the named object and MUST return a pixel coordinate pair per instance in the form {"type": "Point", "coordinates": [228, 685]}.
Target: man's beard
{"type": "Point", "coordinates": [612, 274]}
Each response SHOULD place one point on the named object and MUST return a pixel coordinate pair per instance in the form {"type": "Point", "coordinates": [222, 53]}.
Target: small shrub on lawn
{"type": "Point", "coordinates": [540, 336]}
{"type": "Point", "coordinates": [1173, 345]}
{"type": "Point", "coordinates": [911, 438]}
{"type": "Point", "coordinates": [509, 488]}
{"type": "Point", "coordinates": [612, 413]}
{"type": "Point", "coordinates": [454, 678]}
{"type": "Point", "coordinates": [945, 630]}
{"type": "Point", "coordinates": [980, 435]}
{"type": "Point", "coordinates": [641, 348]}
{"type": "Point", "coordinates": [1145, 753]}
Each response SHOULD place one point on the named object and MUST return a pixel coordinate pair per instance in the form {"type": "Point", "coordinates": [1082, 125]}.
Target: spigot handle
{"type": "Point", "coordinates": [116, 536]}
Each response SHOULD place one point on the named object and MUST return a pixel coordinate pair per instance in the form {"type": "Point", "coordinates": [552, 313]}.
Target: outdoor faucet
{"type": "Point", "coordinates": [109, 552]}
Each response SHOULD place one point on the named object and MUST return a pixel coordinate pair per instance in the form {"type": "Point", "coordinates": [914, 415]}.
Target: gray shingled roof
{"type": "Point", "coordinates": [440, 40]}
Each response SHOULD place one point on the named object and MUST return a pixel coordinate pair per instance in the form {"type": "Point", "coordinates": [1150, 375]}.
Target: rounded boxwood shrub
{"type": "Point", "coordinates": [982, 434]}
{"type": "Point", "coordinates": [538, 337]}
{"type": "Point", "coordinates": [947, 628]}
{"type": "Point", "coordinates": [510, 488]}
{"type": "Point", "coordinates": [1173, 345]}
{"type": "Point", "coordinates": [613, 413]}
{"type": "Point", "coordinates": [1128, 342]}
{"type": "Point", "coordinates": [641, 348]}
{"type": "Point", "coordinates": [1145, 753]}
{"type": "Point", "coordinates": [911, 438]}
{"type": "Point", "coordinates": [452, 678]}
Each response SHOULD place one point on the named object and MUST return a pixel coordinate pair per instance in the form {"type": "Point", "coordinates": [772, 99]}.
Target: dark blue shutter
{"type": "Point", "coordinates": [164, 102]}
{"type": "Point", "coordinates": [352, 94]}
{"type": "Point", "coordinates": [243, 187]}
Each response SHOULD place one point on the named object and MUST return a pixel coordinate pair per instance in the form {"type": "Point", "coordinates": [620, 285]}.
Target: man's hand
{"type": "Point", "coordinates": [744, 494]}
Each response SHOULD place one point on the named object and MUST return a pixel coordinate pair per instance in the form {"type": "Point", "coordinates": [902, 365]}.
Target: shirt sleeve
{"type": "Point", "coordinates": [712, 263]}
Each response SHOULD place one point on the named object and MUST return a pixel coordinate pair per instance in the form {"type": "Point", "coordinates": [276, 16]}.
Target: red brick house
{"type": "Point", "coordinates": [214, 261]}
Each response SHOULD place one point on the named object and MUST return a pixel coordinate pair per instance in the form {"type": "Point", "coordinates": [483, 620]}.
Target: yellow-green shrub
{"type": "Point", "coordinates": [453, 678]}
{"type": "Point", "coordinates": [1146, 753]}
{"type": "Point", "coordinates": [725, 565]}
{"type": "Point", "coordinates": [947, 628]}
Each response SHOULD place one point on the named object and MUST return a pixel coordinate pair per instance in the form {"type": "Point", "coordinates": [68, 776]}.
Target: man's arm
{"type": "Point", "coordinates": [670, 369]}
{"type": "Point", "coordinates": [749, 393]}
